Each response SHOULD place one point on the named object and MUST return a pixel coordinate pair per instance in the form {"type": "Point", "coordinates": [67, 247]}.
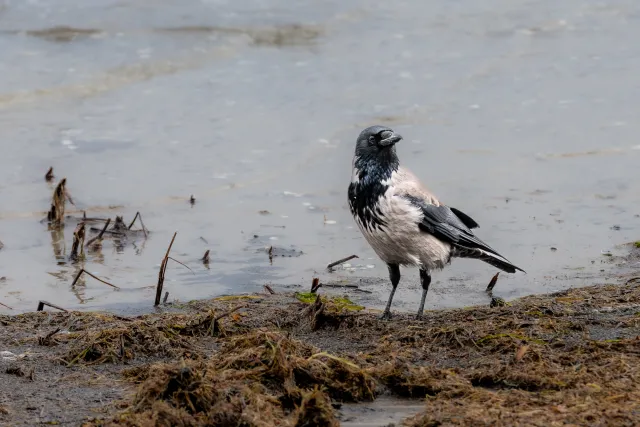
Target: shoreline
{"type": "Point", "coordinates": [285, 359]}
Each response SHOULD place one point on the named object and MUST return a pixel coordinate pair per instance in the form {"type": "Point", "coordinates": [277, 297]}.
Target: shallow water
{"type": "Point", "coordinates": [523, 115]}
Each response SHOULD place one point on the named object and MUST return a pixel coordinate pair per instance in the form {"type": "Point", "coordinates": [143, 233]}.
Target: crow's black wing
{"type": "Point", "coordinates": [443, 223]}
{"type": "Point", "coordinates": [466, 219]}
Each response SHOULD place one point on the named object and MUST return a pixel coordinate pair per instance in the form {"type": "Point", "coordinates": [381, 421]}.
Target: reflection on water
{"type": "Point", "coordinates": [520, 114]}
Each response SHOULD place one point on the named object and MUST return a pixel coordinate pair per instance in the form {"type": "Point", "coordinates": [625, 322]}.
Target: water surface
{"type": "Point", "coordinates": [522, 114]}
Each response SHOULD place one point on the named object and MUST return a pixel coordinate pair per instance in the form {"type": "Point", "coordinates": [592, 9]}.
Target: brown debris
{"type": "Point", "coordinates": [119, 226]}
{"type": "Point", "coordinates": [205, 258]}
{"type": "Point", "coordinates": [570, 358]}
{"type": "Point", "coordinates": [48, 340]}
{"type": "Point", "coordinates": [315, 410]}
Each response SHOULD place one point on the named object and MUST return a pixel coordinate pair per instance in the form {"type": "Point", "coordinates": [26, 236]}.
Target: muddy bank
{"type": "Point", "coordinates": [260, 360]}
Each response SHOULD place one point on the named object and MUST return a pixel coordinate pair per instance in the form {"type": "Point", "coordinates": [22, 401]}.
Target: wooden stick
{"type": "Point", "coordinates": [163, 269]}
{"type": "Point", "coordinates": [4, 305]}
{"type": "Point", "coordinates": [166, 296]}
{"type": "Point", "coordinates": [341, 261]}
{"type": "Point", "coordinates": [144, 230]}
{"type": "Point", "coordinates": [226, 313]}
{"type": "Point", "coordinates": [97, 278]}
{"type": "Point", "coordinates": [205, 258]}
{"type": "Point", "coordinates": [269, 289]}
{"type": "Point", "coordinates": [41, 305]}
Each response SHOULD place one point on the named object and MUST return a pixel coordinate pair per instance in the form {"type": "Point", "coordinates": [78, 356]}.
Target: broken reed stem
{"type": "Point", "coordinates": [163, 269]}
{"type": "Point", "coordinates": [138, 216]}
{"type": "Point", "coordinates": [41, 305]}
{"type": "Point", "coordinates": [97, 278]}
{"type": "Point", "coordinates": [493, 282]}
{"type": "Point", "coordinates": [49, 175]}
{"type": "Point", "coordinates": [340, 261]}
{"type": "Point", "coordinates": [78, 242]}
{"type": "Point", "coordinates": [166, 297]}
{"type": "Point", "coordinates": [315, 285]}
{"type": "Point", "coordinates": [5, 305]}
{"type": "Point", "coordinates": [98, 238]}
{"type": "Point", "coordinates": [205, 258]}
{"type": "Point", "coordinates": [269, 289]}
{"type": "Point", "coordinates": [56, 214]}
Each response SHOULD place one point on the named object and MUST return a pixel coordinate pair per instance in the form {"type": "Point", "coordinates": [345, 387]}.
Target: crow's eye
{"type": "Point", "coordinates": [372, 140]}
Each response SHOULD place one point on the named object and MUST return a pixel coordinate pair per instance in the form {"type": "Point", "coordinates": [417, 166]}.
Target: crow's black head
{"type": "Point", "coordinates": [376, 153]}
{"type": "Point", "coordinates": [376, 139]}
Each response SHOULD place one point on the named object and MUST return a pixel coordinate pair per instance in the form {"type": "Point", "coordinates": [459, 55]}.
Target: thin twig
{"type": "Point", "coordinates": [354, 287]}
{"type": "Point", "coordinates": [4, 305]}
{"type": "Point", "coordinates": [41, 305]}
{"type": "Point", "coordinates": [99, 236]}
{"type": "Point", "coordinates": [144, 229]}
{"type": "Point", "coordinates": [97, 278]}
{"type": "Point", "coordinates": [226, 313]}
{"type": "Point", "coordinates": [163, 269]}
{"type": "Point", "coordinates": [172, 258]}
{"type": "Point", "coordinates": [340, 261]}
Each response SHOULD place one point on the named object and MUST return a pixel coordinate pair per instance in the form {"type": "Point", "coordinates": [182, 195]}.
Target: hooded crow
{"type": "Point", "coordinates": [402, 221]}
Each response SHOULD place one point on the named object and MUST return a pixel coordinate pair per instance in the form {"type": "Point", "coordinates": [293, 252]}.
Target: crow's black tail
{"type": "Point", "coordinates": [492, 258]}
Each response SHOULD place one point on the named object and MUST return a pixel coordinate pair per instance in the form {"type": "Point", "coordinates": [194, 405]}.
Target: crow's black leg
{"type": "Point", "coordinates": [425, 280]}
{"type": "Point", "coordinates": [394, 275]}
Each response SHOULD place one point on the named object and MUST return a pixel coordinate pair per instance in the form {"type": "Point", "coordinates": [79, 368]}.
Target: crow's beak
{"type": "Point", "coordinates": [389, 138]}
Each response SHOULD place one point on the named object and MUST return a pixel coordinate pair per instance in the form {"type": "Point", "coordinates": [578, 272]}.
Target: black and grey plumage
{"type": "Point", "coordinates": [402, 221]}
